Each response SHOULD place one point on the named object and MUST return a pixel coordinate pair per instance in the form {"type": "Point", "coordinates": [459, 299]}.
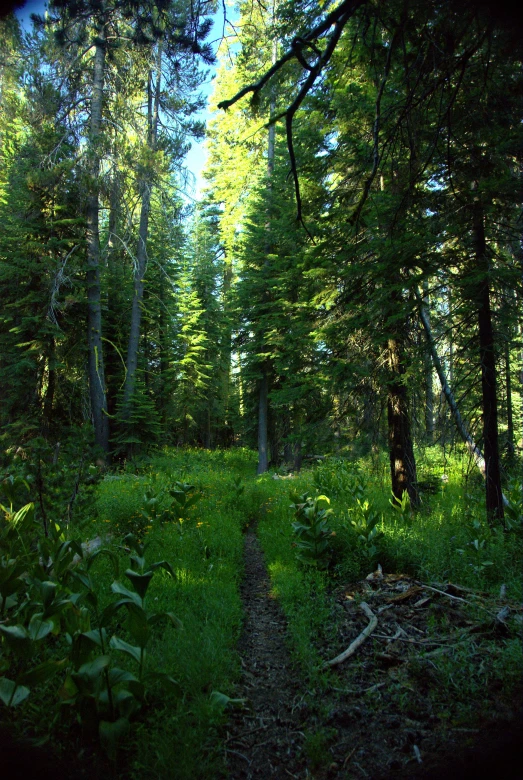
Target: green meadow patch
{"type": "Point", "coordinates": [128, 646]}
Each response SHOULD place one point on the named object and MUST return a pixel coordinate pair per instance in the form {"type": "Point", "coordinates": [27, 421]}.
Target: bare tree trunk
{"type": "Point", "coordinates": [510, 417]}
{"type": "Point", "coordinates": [429, 387]}
{"type": "Point", "coordinates": [112, 358]}
{"type": "Point", "coordinates": [401, 453]}
{"type": "Point", "coordinates": [94, 307]}
{"type": "Point", "coordinates": [472, 447]}
{"type": "Point", "coordinates": [141, 253]}
{"type": "Point", "coordinates": [273, 437]}
{"type": "Point", "coordinates": [263, 415]}
{"type": "Point", "coordinates": [287, 446]}
{"type": "Point", "coordinates": [263, 463]}
{"type": "Point", "coordinates": [47, 410]}
{"type": "Point", "coordinates": [164, 356]}
{"type": "Point", "coordinates": [494, 493]}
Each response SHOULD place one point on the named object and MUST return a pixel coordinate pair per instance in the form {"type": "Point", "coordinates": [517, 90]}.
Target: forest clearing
{"type": "Point", "coordinates": [261, 441]}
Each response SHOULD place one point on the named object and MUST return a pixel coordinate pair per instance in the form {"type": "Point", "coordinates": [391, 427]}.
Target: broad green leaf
{"type": "Point", "coordinates": [137, 562]}
{"type": "Point", "coordinates": [117, 676]}
{"type": "Point", "coordinates": [93, 669]}
{"type": "Point", "coordinates": [47, 592]}
{"type": "Point", "coordinates": [125, 647]}
{"type": "Point", "coordinates": [164, 678]}
{"type": "Point", "coordinates": [24, 516]}
{"type": "Point", "coordinates": [95, 638]}
{"type": "Point", "coordinates": [104, 551]}
{"type": "Point", "coordinates": [18, 640]}
{"type": "Point", "coordinates": [140, 582]}
{"type": "Point", "coordinates": [192, 501]}
{"type": "Point", "coordinates": [116, 587]}
{"type": "Point", "coordinates": [11, 693]}
{"type": "Point", "coordinates": [41, 673]}
{"type": "Point", "coordinates": [9, 602]}
{"type": "Point", "coordinates": [111, 609]}
{"type": "Point", "coordinates": [83, 578]}
{"type": "Point", "coordinates": [39, 628]}
{"type": "Point", "coordinates": [176, 622]}
{"type": "Point", "coordinates": [163, 565]}
{"type": "Point", "coordinates": [125, 701]}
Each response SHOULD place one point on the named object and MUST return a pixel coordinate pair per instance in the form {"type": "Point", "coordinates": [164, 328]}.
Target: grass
{"type": "Point", "coordinates": [447, 540]}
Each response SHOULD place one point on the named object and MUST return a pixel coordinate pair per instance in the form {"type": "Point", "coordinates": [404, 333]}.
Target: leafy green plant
{"type": "Point", "coordinates": [106, 696]}
{"type": "Point", "coordinates": [402, 505]}
{"type": "Point", "coordinates": [60, 479]}
{"type": "Point", "coordinates": [339, 477]}
{"type": "Point", "coordinates": [311, 529]}
{"type": "Point", "coordinates": [365, 522]}
{"type": "Point", "coordinates": [47, 590]}
{"type": "Point", "coordinates": [475, 551]}
{"type": "Point", "coordinates": [514, 506]}
{"type": "Point", "coordinates": [184, 498]}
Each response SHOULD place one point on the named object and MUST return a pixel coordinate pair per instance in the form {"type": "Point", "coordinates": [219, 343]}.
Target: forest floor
{"type": "Point", "coordinates": [383, 719]}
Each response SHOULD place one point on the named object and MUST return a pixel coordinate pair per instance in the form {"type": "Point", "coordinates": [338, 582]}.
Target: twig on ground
{"type": "Point", "coordinates": [456, 598]}
{"type": "Point", "coordinates": [236, 737]}
{"type": "Point", "coordinates": [373, 622]}
{"type": "Point", "coordinates": [236, 753]}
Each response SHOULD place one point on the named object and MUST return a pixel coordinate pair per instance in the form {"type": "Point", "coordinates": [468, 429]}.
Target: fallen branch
{"type": "Point", "coordinates": [458, 598]}
{"type": "Point", "coordinates": [373, 622]}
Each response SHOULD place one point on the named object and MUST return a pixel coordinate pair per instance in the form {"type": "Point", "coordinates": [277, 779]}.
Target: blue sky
{"type": "Point", "coordinates": [197, 156]}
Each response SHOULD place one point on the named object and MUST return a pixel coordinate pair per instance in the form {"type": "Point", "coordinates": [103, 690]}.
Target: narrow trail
{"type": "Point", "coordinates": [371, 740]}
{"type": "Point", "coordinates": [265, 738]}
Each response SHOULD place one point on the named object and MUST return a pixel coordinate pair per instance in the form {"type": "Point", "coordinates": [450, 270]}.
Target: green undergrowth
{"type": "Point", "coordinates": [190, 508]}
{"type": "Point", "coordinates": [447, 540]}
{"type": "Point", "coordinates": [205, 549]}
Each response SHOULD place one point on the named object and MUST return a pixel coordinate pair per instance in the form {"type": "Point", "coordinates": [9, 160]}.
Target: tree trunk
{"type": "Point", "coordinates": [263, 417]}
{"type": "Point", "coordinates": [472, 447]}
{"type": "Point", "coordinates": [510, 417]}
{"type": "Point", "coordinates": [94, 307]}
{"type": "Point", "coordinates": [494, 493]}
{"type": "Point", "coordinates": [273, 437]}
{"type": "Point", "coordinates": [47, 410]}
{"type": "Point", "coordinates": [429, 386]}
{"type": "Point", "coordinates": [113, 365]}
{"type": "Point", "coordinates": [141, 253]}
{"type": "Point", "coordinates": [263, 463]}
{"type": "Point", "coordinates": [164, 357]}
{"type": "Point", "coordinates": [287, 445]}
{"type": "Point", "coordinates": [401, 453]}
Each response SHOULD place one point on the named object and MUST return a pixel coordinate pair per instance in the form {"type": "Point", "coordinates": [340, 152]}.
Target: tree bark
{"type": "Point", "coordinates": [94, 307]}
{"type": "Point", "coordinates": [263, 415]}
{"type": "Point", "coordinates": [141, 253]}
{"type": "Point", "coordinates": [493, 491]}
{"type": "Point", "coordinates": [429, 387]}
{"type": "Point", "coordinates": [263, 463]}
{"type": "Point", "coordinates": [401, 453]}
{"type": "Point", "coordinates": [510, 417]}
{"type": "Point", "coordinates": [48, 401]}
{"type": "Point", "coordinates": [472, 447]}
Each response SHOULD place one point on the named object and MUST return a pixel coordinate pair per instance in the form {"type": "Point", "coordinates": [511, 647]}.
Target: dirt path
{"type": "Point", "coordinates": [265, 738]}
{"type": "Point", "coordinates": [369, 739]}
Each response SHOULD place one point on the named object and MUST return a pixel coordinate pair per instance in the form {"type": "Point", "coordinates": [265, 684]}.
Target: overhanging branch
{"type": "Point", "coordinates": [337, 19]}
